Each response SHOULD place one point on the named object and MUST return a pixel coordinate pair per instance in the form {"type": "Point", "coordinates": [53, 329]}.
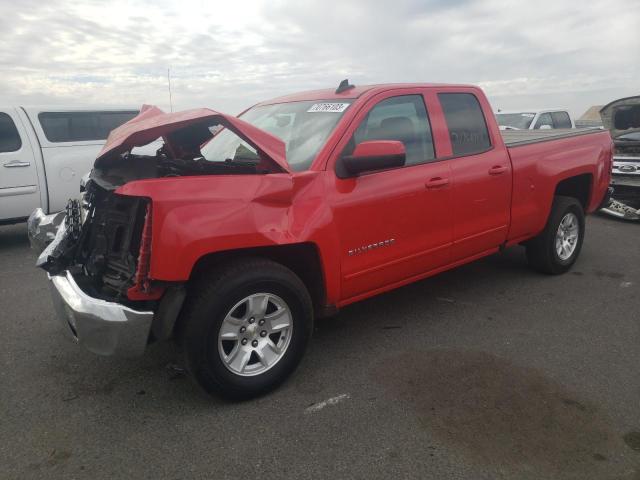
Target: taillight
{"type": "Point", "coordinates": [142, 288]}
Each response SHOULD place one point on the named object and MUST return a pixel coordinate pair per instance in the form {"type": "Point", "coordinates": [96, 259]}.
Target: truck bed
{"type": "Point", "coordinates": [516, 138]}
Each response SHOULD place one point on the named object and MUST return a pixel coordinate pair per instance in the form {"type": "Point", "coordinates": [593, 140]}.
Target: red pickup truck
{"type": "Point", "coordinates": [241, 230]}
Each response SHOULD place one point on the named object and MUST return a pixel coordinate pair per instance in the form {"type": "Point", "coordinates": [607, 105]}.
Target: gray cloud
{"type": "Point", "coordinates": [228, 55]}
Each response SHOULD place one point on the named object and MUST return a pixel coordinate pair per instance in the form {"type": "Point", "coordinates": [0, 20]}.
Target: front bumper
{"type": "Point", "coordinates": [102, 327]}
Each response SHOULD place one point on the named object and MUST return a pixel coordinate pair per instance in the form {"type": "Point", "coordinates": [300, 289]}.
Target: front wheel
{"type": "Point", "coordinates": [245, 328]}
{"type": "Point", "coordinates": [556, 249]}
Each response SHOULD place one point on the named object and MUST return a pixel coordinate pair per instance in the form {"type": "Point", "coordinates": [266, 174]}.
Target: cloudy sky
{"type": "Point", "coordinates": [229, 54]}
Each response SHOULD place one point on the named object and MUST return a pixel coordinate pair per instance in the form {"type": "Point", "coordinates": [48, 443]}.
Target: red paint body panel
{"type": "Point", "coordinates": [538, 168]}
{"type": "Point", "coordinates": [379, 230]}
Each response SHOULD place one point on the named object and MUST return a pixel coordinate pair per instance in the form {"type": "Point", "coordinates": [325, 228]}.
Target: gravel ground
{"type": "Point", "coordinates": [488, 371]}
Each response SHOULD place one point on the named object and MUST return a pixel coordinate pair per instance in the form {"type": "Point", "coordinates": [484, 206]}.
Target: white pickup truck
{"type": "Point", "coordinates": [534, 119]}
{"type": "Point", "coordinates": [44, 152]}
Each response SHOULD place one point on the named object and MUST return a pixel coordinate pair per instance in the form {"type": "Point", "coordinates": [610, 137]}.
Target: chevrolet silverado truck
{"type": "Point", "coordinates": [240, 231]}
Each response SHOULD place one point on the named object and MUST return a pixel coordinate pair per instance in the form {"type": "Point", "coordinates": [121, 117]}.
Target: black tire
{"type": "Point", "coordinates": [212, 297]}
{"type": "Point", "coordinates": [541, 250]}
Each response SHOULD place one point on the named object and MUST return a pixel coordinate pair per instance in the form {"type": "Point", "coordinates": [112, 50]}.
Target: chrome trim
{"type": "Point", "coordinates": [15, 191]}
{"type": "Point", "coordinates": [102, 327]}
{"type": "Point", "coordinates": [16, 164]}
{"type": "Point", "coordinates": [372, 246]}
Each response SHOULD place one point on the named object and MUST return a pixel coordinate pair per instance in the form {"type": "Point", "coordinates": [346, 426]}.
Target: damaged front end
{"type": "Point", "coordinates": [622, 118]}
{"type": "Point", "coordinates": [98, 251]}
{"type": "Point", "coordinates": [100, 239]}
{"type": "Point", "coordinates": [92, 263]}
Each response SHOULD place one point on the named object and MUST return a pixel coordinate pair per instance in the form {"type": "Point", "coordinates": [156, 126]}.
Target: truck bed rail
{"type": "Point", "coordinates": [516, 138]}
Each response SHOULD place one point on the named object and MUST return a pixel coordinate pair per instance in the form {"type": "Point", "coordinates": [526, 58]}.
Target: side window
{"type": "Point", "coordinates": [544, 120]}
{"type": "Point", "coordinates": [401, 118]}
{"type": "Point", "coordinates": [81, 126]}
{"type": "Point", "coordinates": [561, 120]}
{"type": "Point", "coordinates": [108, 121]}
{"type": "Point", "coordinates": [9, 137]}
{"type": "Point", "coordinates": [467, 126]}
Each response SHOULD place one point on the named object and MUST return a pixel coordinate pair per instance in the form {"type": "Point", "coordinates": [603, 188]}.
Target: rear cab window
{"type": "Point", "coordinates": [465, 120]}
{"type": "Point", "coordinates": [561, 120]}
{"type": "Point", "coordinates": [9, 137]}
{"type": "Point", "coordinates": [544, 120]}
{"type": "Point", "coordinates": [402, 118]}
{"type": "Point", "coordinates": [61, 127]}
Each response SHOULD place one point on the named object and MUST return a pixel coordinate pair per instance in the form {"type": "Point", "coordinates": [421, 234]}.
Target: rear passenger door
{"type": "Point", "coordinates": [19, 189]}
{"type": "Point", "coordinates": [481, 196]}
{"type": "Point", "coordinates": [393, 224]}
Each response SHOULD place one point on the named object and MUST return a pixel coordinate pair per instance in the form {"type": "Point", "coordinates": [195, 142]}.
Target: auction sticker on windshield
{"type": "Point", "coordinates": [328, 107]}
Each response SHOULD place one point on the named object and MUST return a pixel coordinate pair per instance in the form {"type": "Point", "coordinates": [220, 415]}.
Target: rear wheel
{"type": "Point", "coordinates": [245, 328]}
{"type": "Point", "coordinates": [556, 249]}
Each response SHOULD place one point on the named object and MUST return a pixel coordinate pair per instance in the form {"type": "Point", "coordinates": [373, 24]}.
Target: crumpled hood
{"type": "Point", "coordinates": [622, 116]}
{"type": "Point", "coordinates": [188, 125]}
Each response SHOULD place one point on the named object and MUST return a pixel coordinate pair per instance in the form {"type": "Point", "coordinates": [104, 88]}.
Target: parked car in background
{"type": "Point", "coordinates": [233, 243]}
{"type": "Point", "coordinates": [534, 119]}
{"type": "Point", "coordinates": [44, 152]}
{"type": "Point", "coordinates": [622, 119]}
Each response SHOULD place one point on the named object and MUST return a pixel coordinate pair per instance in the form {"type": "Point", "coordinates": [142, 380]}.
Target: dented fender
{"type": "Point", "coordinates": [197, 216]}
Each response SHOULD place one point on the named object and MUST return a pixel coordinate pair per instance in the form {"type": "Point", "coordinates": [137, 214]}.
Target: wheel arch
{"type": "Point", "coordinates": [579, 187]}
{"type": "Point", "coordinates": [303, 259]}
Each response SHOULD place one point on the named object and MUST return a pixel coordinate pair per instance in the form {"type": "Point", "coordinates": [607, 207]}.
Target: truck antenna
{"type": "Point", "coordinates": [169, 84]}
{"type": "Point", "coordinates": [344, 86]}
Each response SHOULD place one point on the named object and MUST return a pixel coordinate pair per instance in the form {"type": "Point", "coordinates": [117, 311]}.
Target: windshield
{"type": "Point", "coordinates": [515, 120]}
{"type": "Point", "coordinates": [302, 126]}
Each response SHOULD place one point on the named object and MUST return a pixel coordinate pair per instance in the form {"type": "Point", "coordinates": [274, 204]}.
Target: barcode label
{"type": "Point", "coordinates": [328, 107]}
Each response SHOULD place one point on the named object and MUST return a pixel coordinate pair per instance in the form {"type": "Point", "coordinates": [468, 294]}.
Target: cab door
{"type": "Point", "coordinates": [393, 224]}
{"type": "Point", "coordinates": [481, 195]}
{"type": "Point", "coordinates": [19, 189]}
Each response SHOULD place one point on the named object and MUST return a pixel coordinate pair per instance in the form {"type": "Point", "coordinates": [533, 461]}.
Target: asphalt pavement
{"type": "Point", "coordinates": [488, 371]}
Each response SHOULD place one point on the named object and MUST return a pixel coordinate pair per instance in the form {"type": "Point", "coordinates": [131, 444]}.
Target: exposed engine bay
{"type": "Point", "coordinates": [103, 230]}
{"type": "Point", "coordinates": [130, 167]}
{"type": "Point", "coordinates": [100, 242]}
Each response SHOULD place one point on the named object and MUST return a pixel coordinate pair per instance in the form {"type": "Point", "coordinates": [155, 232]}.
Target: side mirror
{"type": "Point", "coordinates": [372, 155]}
{"type": "Point", "coordinates": [545, 127]}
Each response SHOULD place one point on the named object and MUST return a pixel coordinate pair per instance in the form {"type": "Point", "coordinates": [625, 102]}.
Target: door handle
{"type": "Point", "coordinates": [497, 170]}
{"type": "Point", "coordinates": [436, 182]}
{"type": "Point", "coordinates": [16, 164]}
